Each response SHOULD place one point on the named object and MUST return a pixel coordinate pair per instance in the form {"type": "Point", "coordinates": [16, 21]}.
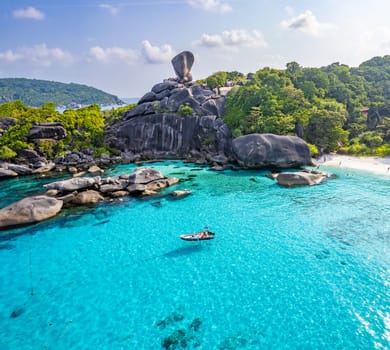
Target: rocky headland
{"type": "Point", "coordinates": [177, 119]}
{"type": "Point", "coordinates": [143, 182]}
{"type": "Point", "coordinates": [180, 119]}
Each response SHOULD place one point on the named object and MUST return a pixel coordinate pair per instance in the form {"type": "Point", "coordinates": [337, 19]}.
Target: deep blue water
{"type": "Point", "coordinates": [302, 268]}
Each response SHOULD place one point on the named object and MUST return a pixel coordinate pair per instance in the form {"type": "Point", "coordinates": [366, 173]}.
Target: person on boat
{"type": "Point", "coordinates": [203, 234]}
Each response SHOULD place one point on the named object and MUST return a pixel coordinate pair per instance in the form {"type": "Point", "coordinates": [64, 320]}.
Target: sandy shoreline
{"type": "Point", "coordinates": [372, 164]}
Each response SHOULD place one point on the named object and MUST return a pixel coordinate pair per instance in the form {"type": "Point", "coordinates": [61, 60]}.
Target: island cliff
{"type": "Point", "coordinates": [181, 119]}
{"type": "Point", "coordinates": [177, 119]}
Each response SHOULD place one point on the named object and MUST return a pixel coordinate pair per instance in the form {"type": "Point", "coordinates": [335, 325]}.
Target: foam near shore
{"type": "Point", "coordinates": [373, 164]}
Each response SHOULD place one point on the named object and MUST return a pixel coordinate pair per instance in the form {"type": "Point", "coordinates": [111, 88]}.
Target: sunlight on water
{"type": "Point", "coordinates": [303, 268]}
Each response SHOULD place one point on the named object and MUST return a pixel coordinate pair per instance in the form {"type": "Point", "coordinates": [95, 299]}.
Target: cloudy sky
{"type": "Point", "coordinates": [124, 47]}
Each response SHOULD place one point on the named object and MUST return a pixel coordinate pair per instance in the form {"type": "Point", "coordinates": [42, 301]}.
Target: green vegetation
{"type": "Point", "coordinates": [334, 108]}
{"type": "Point", "coordinates": [185, 110]}
{"type": "Point", "coordinates": [36, 93]}
{"type": "Point", "coordinates": [220, 79]}
{"type": "Point", "coordinates": [84, 129]}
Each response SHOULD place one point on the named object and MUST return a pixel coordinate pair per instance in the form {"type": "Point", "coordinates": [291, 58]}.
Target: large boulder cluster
{"type": "Point", "coordinates": [143, 181]}
{"type": "Point", "coordinates": [182, 119]}
{"type": "Point", "coordinates": [177, 119]}
{"type": "Point", "coordinates": [84, 191]}
{"type": "Point", "coordinates": [170, 96]}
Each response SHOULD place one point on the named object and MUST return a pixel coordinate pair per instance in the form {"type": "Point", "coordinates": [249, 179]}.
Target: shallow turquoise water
{"type": "Point", "coordinates": [303, 268]}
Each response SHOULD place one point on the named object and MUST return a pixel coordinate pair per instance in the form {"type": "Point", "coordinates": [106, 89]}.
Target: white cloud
{"type": "Point", "coordinates": [211, 40]}
{"type": "Point", "coordinates": [210, 5]}
{"type": "Point", "coordinates": [373, 42]}
{"type": "Point", "coordinates": [234, 39]}
{"type": "Point", "coordinates": [111, 9]}
{"type": "Point", "coordinates": [39, 55]}
{"type": "Point", "coordinates": [307, 23]}
{"type": "Point", "coordinates": [110, 54]}
{"type": "Point", "coordinates": [155, 54]}
{"type": "Point", "coordinates": [9, 56]}
{"type": "Point", "coordinates": [30, 13]}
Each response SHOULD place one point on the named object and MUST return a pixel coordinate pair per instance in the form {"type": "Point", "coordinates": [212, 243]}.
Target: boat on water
{"type": "Point", "coordinates": [198, 236]}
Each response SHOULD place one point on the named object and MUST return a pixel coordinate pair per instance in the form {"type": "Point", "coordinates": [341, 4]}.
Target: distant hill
{"type": "Point", "coordinates": [35, 93]}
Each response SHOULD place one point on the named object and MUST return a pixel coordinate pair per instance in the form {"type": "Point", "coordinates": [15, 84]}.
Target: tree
{"type": "Point", "coordinates": [216, 80]}
{"type": "Point", "coordinates": [325, 128]}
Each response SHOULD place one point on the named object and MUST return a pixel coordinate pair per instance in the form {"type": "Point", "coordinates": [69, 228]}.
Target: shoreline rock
{"type": "Point", "coordinates": [29, 210]}
{"type": "Point", "coordinates": [300, 178]}
{"type": "Point", "coordinates": [142, 182]}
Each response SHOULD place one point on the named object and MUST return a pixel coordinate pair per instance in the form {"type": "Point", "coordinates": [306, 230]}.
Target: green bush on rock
{"type": "Point", "coordinates": [185, 110]}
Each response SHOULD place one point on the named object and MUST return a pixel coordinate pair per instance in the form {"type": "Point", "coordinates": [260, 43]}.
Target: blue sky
{"type": "Point", "coordinates": [124, 47]}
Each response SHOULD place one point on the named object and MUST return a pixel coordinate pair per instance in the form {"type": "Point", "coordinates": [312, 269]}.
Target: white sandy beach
{"type": "Point", "coordinates": [373, 164]}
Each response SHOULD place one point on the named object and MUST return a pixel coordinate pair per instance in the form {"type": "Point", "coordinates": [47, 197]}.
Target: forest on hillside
{"type": "Point", "coordinates": [84, 129]}
{"type": "Point", "coordinates": [36, 93]}
{"type": "Point", "coordinates": [334, 108]}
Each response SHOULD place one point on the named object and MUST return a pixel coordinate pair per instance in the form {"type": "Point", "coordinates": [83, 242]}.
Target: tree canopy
{"type": "Point", "coordinates": [36, 93]}
{"type": "Point", "coordinates": [336, 108]}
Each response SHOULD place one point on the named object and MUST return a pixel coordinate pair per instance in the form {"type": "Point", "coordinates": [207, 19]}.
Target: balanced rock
{"type": "Point", "coordinates": [259, 151]}
{"type": "Point", "coordinates": [182, 64]}
{"type": "Point", "coordinates": [29, 210]}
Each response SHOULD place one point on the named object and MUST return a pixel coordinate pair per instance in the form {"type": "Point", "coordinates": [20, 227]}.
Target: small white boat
{"type": "Point", "coordinates": [198, 236]}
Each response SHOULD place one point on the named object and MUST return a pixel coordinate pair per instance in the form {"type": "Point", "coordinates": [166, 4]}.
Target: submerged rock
{"type": "Point", "coordinates": [29, 210]}
{"type": "Point", "coordinates": [88, 197]}
{"type": "Point", "coordinates": [17, 312]}
{"type": "Point", "coordinates": [180, 193]}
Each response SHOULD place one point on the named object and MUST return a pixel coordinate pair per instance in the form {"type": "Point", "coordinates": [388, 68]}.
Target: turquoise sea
{"type": "Point", "coordinates": [301, 268]}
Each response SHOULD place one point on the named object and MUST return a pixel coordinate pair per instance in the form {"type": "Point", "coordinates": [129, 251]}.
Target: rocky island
{"type": "Point", "coordinates": [181, 119]}
{"type": "Point", "coordinates": [177, 119]}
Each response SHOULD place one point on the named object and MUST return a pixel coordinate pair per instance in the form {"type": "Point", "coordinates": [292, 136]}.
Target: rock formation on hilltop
{"type": "Point", "coordinates": [182, 64]}
{"type": "Point", "coordinates": [176, 119]}
{"type": "Point", "coordinates": [180, 119]}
